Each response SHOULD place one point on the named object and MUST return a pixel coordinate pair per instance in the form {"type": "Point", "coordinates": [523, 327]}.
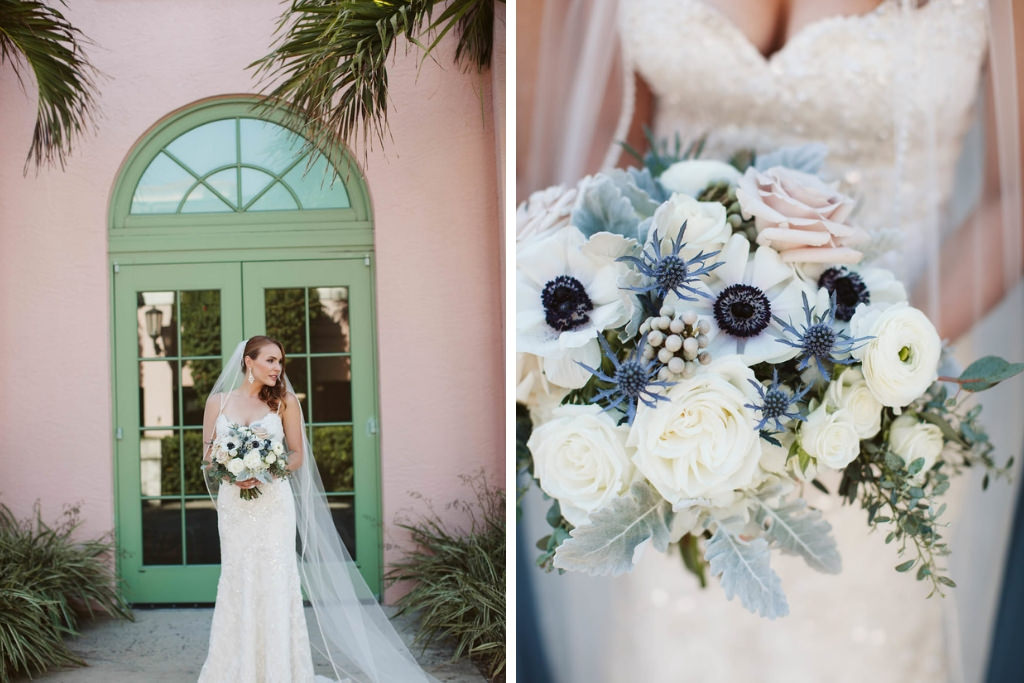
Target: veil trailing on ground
{"type": "Point", "coordinates": [351, 630]}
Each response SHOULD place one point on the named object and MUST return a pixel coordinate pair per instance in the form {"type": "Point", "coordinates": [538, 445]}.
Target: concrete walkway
{"type": "Point", "coordinates": [169, 645]}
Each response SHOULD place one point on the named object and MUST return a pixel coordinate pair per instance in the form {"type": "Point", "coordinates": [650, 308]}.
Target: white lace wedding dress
{"type": "Point", "coordinates": [259, 631]}
{"type": "Point", "coordinates": [839, 81]}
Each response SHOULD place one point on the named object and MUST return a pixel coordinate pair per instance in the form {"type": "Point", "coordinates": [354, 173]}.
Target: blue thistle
{"type": "Point", "coordinates": [819, 340]}
{"type": "Point", "coordinates": [776, 402]}
{"type": "Point", "coordinates": [671, 272]}
{"type": "Point", "coordinates": [632, 380]}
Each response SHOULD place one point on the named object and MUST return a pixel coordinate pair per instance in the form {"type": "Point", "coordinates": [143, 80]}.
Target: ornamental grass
{"type": "Point", "coordinates": [459, 578]}
{"type": "Point", "coordinates": [48, 582]}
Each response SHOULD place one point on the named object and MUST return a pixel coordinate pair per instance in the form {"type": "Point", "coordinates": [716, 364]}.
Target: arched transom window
{"type": "Point", "coordinates": [236, 165]}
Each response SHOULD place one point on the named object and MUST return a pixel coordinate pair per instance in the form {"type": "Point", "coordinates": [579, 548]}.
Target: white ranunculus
{"type": "Point", "coordinates": [706, 229]}
{"type": "Point", "coordinates": [253, 461]}
{"type": "Point", "coordinates": [911, 439]}
{"type": "Point", "coordinates": [587, 294]}
{"type": "Point", "coordinates": [580, 459]}
{"type": "Point", "coordinates": [830, 438]}
{"type": "Point", "coordinates": [545, 211]}
{"type": "Point", "coordinates": [902, 360]}
{"type": "Point", "coordinates": [277, 448]}
{"type": "Point", "coordinates": [270, 459]}
{"type": "Point", "coordinates": [850, 392]}
{"type": "Point", "coordinates": [235, 466]}
{"type": "Point", "coordinates": [692, 177]}
{"type": "Point", "coordinates": [701, 444]}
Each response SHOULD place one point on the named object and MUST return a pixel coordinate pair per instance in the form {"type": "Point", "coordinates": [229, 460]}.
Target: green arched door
{"type": "Point", "coordinates": [219, 233]}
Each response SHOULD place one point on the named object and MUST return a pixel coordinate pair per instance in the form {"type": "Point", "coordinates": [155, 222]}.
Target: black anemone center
{"type": "Point", "coordinates": [775, 402]}
{"type": "Point", "coordinates": [631, 378]}
{"type": "Point", "coordinates": [566, 303]}
{"type": "Point", "coordinates": [849, 289]}
{"type": "Point", "coordinates": [742, 310]}
{"type": "Point", "coordinates": [671, 272]}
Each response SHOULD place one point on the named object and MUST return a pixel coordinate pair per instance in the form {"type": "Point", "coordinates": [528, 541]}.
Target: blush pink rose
{"type": "Point", "coordinates": [800, 216]}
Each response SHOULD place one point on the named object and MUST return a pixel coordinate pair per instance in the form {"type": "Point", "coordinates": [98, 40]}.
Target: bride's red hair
{"type": "Point", "coordinates": [273, 396]}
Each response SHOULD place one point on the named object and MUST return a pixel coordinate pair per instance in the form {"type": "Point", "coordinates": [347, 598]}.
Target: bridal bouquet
{"type": "Point", "coordinates": [700, 340]}
{"type": "Point", "coordinates": [242, 454]}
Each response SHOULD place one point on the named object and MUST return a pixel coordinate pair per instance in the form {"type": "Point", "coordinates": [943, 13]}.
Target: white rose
{"type": "Point", "coordinates": [545, 211]}
{"type": "Point", "coordinates": [579, 456]}
{"type": "Point", "coordinates": [222, 456]}
{"type": "Point", "coordinates": [701, 443]}
{"type": "Point", "coordinates": [235, 466]}
{"type": "Point", "coordinates": [830, 438]}
{"type": "Point", "coordinates": [911, 439]}
{"type": "Point", "coordinates": [270, 459]}
{"type": "Point", "coordinates": [706, 228]}
{"type": "Point", "coordinates": [800, 216]}
{"type": "Point", "coordinates": [253, 461]}
{"type": "Point", "coordinates": [902, 360]}
{"type": "Point", "coordinates": [850, 392]}
{"type": "Point", "coordinates": [277, 448]}
{"type": "Point", "coordinates": [693, 176]}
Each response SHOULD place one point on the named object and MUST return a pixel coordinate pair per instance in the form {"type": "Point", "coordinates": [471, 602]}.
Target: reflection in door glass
{"type": "Point", "coordinates": [200, 323]}
{"type": "Point", "coordinates": [332, 389]}
{"type": "Point", "coordinates": [158, 400]}
{"type": "Point", "coordinates": [286, 318]}
{"type": "Point", "coordinates": [161, 532]}
{"type": "Point", "coordinates": [155, 313]}
{"type": "Point", "coordinates": [158, 451]}
{"type": "Point", "coordinates": [328, 320]}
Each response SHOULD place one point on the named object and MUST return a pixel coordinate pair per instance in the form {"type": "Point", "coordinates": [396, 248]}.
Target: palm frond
{"type": "Point", "coordinates": [40, 38]}
{"type": "Point", "coordinates": [329, 61]}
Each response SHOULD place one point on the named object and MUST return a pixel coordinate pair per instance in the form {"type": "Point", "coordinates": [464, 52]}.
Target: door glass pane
{"type": "Point", "coordinates": [253, 182]}
{"type": "Point", "coordinates": [193, 460]}
{"type": "Point", "coordinates": [158, 399]}
{"type": "Point", "coordinates": [344, 514]}
{"type": "Point", "coordinates": [332, 389]}
{"type": "Point", "coordinates": [158, 450]}
{"type": "Point", "coordinates": [318, 185]}
{"type": "Point", "coordinates": [296, 373]}
{"type": "Point", "coordinates": [269, 145]}
{"type": "Point", "coordinates": [333, 449]}
{"type": "Point", "coordinates": [203, 544]}
{"type": "Point", "coordinates": [286, 318]}
{"type": "Point", "coordinates": [200, 322]}
{"type": "Point", "coordinates": [155, 323]}
{"type": "Point", "coordinates": [328, 320]}
{"type": "Point", "coordinates": [202, 200]}
{"type": "Point", "coordinates": [197, 378]}
{"type": "Point", "coordinates": [161, 532]}
{"type": "Point", "coordinates": [226, 182]}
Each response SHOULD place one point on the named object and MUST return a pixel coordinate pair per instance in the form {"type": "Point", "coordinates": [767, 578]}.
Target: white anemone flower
{"type": "Point", "coordinates": [746, 295]}
{"type": "Point", "coordinates": [568, 290]}
{"type": "Point", "coordinates": [855, 285]}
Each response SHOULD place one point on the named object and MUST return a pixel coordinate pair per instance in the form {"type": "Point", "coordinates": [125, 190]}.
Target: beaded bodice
{"type": "Point", "coordinates": [889, 92]}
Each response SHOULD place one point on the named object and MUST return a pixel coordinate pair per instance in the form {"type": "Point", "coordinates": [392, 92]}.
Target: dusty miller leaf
{"type": "Point", "coordinates": [606, 545]}
{"type": "Point", "coordinates": [745, 571]}
{"type": "Point", "coordinates": [807, 158]}
{"type": "Point", "coordinates": [799, 530]}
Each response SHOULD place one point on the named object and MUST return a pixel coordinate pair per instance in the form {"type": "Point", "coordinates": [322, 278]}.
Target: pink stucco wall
{"type": "Point", "coordinates": [434, 198]}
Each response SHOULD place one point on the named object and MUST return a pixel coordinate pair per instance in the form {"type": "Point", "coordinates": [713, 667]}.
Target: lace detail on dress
{"type": "Point", "coordinates": [844, 81]}
{"type": "Point", "coordinates": [259, 627]}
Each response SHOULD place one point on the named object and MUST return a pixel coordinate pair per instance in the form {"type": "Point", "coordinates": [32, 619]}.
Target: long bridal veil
{"type": "Point", "coordinates": [351, 630]}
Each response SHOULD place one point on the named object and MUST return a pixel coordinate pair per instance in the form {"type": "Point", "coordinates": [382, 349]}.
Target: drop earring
{"type": "Point", "coordinates": [251, 378]}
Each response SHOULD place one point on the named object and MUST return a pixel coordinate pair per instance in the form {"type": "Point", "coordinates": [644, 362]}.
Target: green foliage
{"type": "Point", "coordinates": [37, 36]}
{"type": "Point", "coordinates": [459, 578]}
{"type": "Point", "coordinates": [47, 583]}
{"type": "Point", "coordinates": [987, 372]}
{"type": "Point", "coordinates": [329, 60]}
{"type": "Point", "coordinates": [333, 449]}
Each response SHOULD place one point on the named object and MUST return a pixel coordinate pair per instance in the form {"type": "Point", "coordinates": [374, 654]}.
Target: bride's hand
{"type": "Point", "coordinates": [247, 483]}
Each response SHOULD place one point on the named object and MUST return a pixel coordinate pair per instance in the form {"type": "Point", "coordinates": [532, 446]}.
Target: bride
{"type": "Point", "coordinates": [890, 88]}
{"type": "Point", "coordinates": [259, 631]}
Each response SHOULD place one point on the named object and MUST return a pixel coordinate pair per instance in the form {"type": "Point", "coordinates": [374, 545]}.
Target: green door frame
{"type": "Point", "coordinates": [228, 239]}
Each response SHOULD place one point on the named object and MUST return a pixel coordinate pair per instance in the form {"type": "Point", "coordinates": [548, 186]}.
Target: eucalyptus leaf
{"type": "Point", "coordinates": [606, 546]}
{"type": "Point", "coordinates": [904, 566]}
{"type": "Point", "coordinates": [987, 372]}
{"type": "Point", "coordinates": [745, 571]}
